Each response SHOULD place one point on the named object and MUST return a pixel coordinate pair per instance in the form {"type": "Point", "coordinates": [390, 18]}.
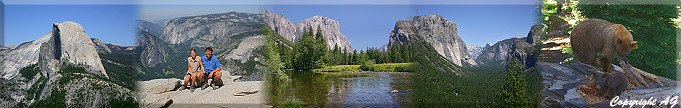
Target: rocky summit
{"type": "Point", "coordinates": [294, 31]}
{"type": "Point", "coordinates": [160, 93]}
{"type": "Point", "coordinates": [439, 32]}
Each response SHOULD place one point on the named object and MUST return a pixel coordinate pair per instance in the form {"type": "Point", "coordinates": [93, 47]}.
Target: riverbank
{"type": "Point", "coordinates": [384, 67]}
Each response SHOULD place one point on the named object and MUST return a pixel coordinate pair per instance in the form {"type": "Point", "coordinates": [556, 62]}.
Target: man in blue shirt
{"type": "Point", "coordinates": [212, 68]}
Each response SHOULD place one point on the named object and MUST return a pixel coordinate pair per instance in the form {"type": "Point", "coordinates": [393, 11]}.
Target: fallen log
{"type": "Point", "coordinates": [628, 69]}
{"type": "Point", "coordinates": [647, 75]}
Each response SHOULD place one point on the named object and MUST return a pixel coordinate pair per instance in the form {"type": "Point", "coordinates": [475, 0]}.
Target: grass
{"type": "Point", "coordinates": [385, 67]}
{"type": "Point", "coordinates": [291, 103]}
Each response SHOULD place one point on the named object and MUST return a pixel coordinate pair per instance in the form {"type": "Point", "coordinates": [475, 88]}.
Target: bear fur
{"type": "Point", "coordinates": [592, 36]}
{"type": "Point", "coordinates": [613, 81]}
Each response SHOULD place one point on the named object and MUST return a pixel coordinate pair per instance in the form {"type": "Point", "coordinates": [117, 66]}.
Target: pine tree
{"type": "Point", "coordinates": [274, 63]}
{"type": "Point", "coordinates": [515, 91]}
{"type": "Point", "coordinates": [334, 55]}
{"type": "Point", "coordinates": [320, 49]}
{"type": "Point", "coordinates": [304, 52]}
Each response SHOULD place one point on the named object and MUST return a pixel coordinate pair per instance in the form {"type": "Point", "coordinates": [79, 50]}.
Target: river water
{"type": "Point", "coordinates": [358, 89]}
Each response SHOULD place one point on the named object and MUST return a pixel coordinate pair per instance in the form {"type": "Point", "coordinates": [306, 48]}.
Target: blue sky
{"type": "Point", "coordinates": [110, 23]}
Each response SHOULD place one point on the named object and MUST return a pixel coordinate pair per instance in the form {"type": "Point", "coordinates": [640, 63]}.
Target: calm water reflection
{"type": "Point", "coordinates": [342, 90]}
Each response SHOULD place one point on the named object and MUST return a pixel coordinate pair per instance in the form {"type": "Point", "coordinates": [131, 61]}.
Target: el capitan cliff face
{"type": "Point", "coordinates": [439, 32]}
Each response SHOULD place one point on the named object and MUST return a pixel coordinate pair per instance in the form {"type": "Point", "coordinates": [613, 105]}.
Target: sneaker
{"type": "Point", "coordinates": [213, 85]}
{"type": "Point", "coordinates": [182, 88]}
{"type": "Point", "coordinates": [191, 89]}
{"type": "Point", "coordinates": [205, 85]}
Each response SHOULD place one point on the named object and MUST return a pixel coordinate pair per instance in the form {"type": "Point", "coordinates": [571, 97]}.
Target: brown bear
{"type": "Point", "coordinates": [592, 36]}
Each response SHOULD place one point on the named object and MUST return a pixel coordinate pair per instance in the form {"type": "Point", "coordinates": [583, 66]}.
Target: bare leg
{"type": "Point", "coordinates": [210, 75]}
{"type": "Point", "coordinates": [217, 75]}
{"type": "Point", "coordinates": [200, 76]}
{"type": "Point", "coordinates": [187, 78]}
{"type": "Point", "coordinates": [194, 77]}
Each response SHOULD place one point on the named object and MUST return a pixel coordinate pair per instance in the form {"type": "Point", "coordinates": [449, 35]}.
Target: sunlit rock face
{"type": "Point", "coordinates": [439, 32]}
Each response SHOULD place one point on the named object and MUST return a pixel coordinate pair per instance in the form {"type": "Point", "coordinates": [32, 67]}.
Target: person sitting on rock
{"type": "Point", "coordinates": [212, 69]}
{"type": "Point", "coordinates": [195, 72]}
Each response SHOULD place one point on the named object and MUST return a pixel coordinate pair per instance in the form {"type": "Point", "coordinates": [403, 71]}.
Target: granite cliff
{"type": "Point", "coordinates": [293, 31]}
{"type": "Point", "coordinates": [439, 32]}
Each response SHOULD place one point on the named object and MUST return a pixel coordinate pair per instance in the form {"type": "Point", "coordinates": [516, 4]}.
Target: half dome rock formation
{"type": "Point", "coordinates": [61, 67]}
{"type": "Point", "coordinates": [499, 52]}
{"type": "Point", "coordinates": [439, 32]}
{"type": "Point", "coordinates": [68, 43]}
{"type": "Point", "coordinates": [520, 48]}
{"type": "Point", "coordinates": [474, 50]}
{"type": "Point", "coordinates": [293, 31]}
